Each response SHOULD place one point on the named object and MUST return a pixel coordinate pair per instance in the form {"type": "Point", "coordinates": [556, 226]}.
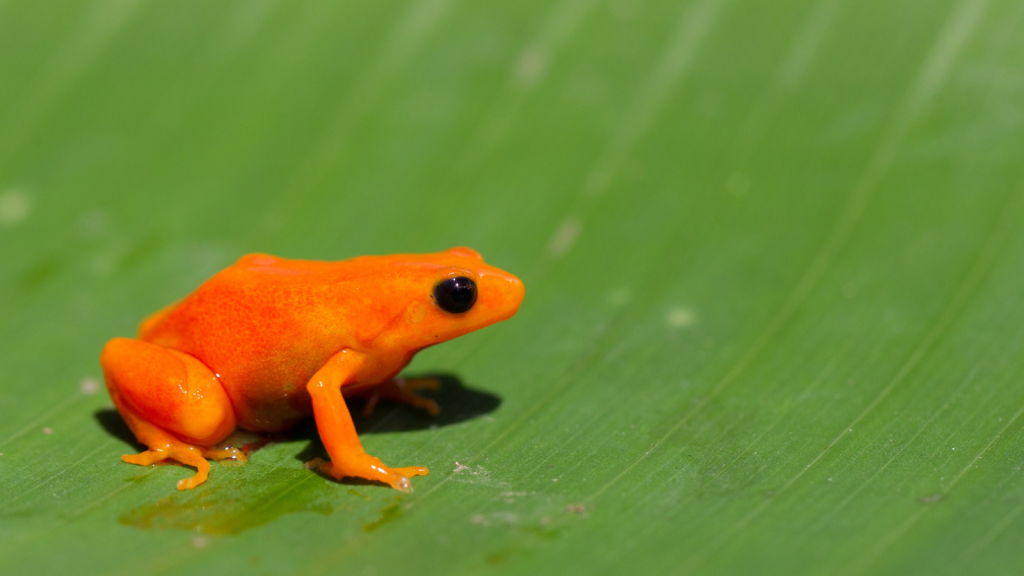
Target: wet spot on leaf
{"type": "Point", "coordinates": [390, 513]}
{"type": "Point", "coordinates": [214, 509]}
{"type": "Point", "coordinates": [503, 556]}
{"type": "Point", "coordinates": [353, 492]}
{"type": "Point", "coordinates": [542, 531]}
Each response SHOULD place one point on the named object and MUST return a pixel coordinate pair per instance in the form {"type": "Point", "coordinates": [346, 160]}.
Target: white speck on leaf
{"type": "Point", "coordinates": [15, 206]}
{"type": "Point", "coordinates": [565, 237]}
{"type": "Point", "coordinates": [532, 65]}
{"type": "Point", "coordinates": [89, 386]}
{"type": "Point", "coordinates": [680, 318]}
{"type": "Point", "coordinates": [620, 296]}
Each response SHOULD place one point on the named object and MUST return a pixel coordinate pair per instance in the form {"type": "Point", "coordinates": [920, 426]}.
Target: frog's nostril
{"type": "Point", "coordinates": [519, 290]}
{"type": "Point", "coordinates": [502, 290]}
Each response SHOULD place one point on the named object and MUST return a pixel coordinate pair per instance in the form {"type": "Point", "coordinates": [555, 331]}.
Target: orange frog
{"type": "Point", "coordinates": [268, 342]}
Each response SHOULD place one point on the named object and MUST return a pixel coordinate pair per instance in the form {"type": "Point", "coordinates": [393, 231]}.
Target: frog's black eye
{"type": "Point", "coordinates": [455, 295]}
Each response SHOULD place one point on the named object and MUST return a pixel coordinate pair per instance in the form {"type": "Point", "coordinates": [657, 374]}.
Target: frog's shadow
{"type": "Point", "coordinates": [458, 404]}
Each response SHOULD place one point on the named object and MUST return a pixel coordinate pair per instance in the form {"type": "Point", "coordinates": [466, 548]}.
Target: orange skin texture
{"type": "Point", "coordinates": [269, 342]}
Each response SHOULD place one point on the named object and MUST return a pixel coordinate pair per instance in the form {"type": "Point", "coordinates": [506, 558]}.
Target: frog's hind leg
{"type": "Point", "coordinates": [173, 404]}
{"type": "Point", "coordinates": [162, 446]}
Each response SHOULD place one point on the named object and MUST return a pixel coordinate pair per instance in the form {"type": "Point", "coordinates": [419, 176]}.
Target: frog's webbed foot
{"type": "Point", "coordinates": [175, 450]}
{"type": "Point", "coordinates": [403, 390]}
{"type": "Point", "coordinates": [188, 455]}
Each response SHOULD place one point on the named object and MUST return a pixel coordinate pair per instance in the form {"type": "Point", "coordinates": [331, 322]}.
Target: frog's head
{"type": "Point", "coordinates": [444, 295]}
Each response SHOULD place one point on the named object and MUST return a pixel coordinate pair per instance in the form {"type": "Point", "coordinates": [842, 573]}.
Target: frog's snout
{"type": "Point", "coordinates": [502, 292]}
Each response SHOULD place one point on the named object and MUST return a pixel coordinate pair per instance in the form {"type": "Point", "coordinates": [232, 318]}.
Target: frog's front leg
{"type": "Point", "coordinates": [172, 402]}
{"type": "Point", "coordinates": [403, 391]}
{"type": "Point", "coordinates": [338, 432]}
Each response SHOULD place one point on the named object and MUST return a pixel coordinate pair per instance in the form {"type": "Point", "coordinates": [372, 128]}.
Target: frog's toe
{"type": "Point", "coordinates": [191, 456]}
{"type": "Point", "coordinates": [402, 484]}
{"type": "Point", "coordinates": [322, 466]}
{"type": "Point", "coordinates": [405, 391]}
{"type": "Point", "coordinates": [428, 404]}
{"type": "Point", "coordinates": [399, 478]}
{"type": "Point", "coordinates": [147, 458]}
{"type": "Point", "coordinates": [318, 464]}
{"type": "Point", "coordinates": [225, 453]}
{"type": "Point", "coordinates": [184, 454]}
{"type": "Point", "coordinates": [415, 384]}
{"type": "Point", "coordinates": [411, 471]}
{"type": "Point", "coordinates": [314, 464]}
{"type": "Point", "coordinates": [201, 475]}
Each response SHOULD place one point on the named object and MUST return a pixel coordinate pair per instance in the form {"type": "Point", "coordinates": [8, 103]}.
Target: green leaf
{"type": "Point", "coordinates": [772, 252]}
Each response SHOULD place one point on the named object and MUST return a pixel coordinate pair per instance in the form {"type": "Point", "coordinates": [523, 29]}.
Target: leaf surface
{"type": "Point", "coordinates": [771, 250]}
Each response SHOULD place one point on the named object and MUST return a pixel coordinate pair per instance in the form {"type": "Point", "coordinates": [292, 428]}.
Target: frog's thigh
{"type": "Point", "coordinates": [172, 402]}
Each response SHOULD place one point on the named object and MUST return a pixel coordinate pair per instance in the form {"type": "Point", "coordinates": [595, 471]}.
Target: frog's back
{"type": "Point", "coordinates": [253, 288]}
{"type": "Point", "coordinates": [264, 326]}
